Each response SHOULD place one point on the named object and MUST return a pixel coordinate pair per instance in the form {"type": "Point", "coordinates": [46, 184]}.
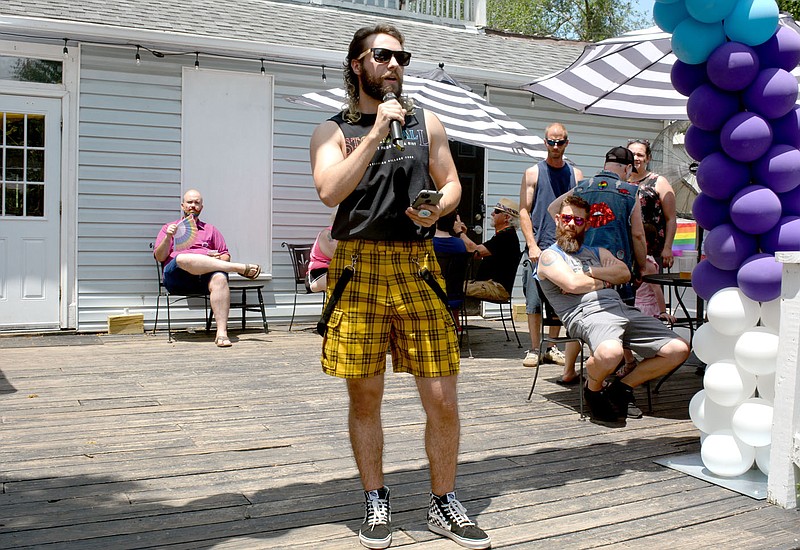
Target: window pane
{"type": "Point", "coordinates": [14, 165]}
{"type": "Point", "coordinates": [34, 200]}
{"type": "Point", "coordinates": [13, 199]}
{"type": "Point", "coordinates": [35, 166]}
{"type": "Point", "coordinates": [15, 129]}
{"type": "Point", "coordinates": [35, 130]}
{"type": "Point", "coordinates": [24, 69]}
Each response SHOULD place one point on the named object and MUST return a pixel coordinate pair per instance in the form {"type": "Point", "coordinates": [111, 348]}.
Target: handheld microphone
{"type": "Point", "coordinates": [395, 129]}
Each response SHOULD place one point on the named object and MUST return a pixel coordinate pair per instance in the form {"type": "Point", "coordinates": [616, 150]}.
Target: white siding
{"type": "Point", "coordinates": [129, 174]}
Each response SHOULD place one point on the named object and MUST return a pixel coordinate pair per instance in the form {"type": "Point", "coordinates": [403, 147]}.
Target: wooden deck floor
{"type": "Point", "coordinates": [132, 442]}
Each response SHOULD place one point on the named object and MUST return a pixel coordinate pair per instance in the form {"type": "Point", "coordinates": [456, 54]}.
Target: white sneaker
{"type": "Point", "coordinates": [554, 355]}
{"type": "Point", "coordinates": [531, 358]}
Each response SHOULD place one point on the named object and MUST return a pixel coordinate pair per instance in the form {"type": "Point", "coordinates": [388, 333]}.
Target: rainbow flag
{"type": "Point", "coordinates": [685, 239]}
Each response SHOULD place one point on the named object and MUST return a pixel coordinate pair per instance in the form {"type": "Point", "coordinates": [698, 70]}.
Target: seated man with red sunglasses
{"type": "Point", "coordinates": [577, 281]}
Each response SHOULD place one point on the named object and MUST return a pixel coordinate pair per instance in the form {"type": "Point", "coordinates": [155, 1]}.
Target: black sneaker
{"type": "Point", "coordinates": [376, 531]}
{"type": "Point", "coordinates": [621, 396]}
{"type": "Point", "coordinates": [447, 517]}
{"type": "Point", "coordinates": [599, 406]}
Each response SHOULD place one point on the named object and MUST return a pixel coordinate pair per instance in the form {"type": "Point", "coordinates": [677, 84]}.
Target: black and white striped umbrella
{"type": "Point", "coordinates": [627, 76]}
{"type": "Point", "coordinates": [466, 116]}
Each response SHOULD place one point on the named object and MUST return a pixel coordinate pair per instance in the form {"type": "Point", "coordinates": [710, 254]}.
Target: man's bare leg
{"type": "Point", "coordinates": [366, 430]}
{"type": "Point", "coordinates": [220, 299]}
{"type": "Point", "coordinates": [671, 354]}
{"type": "Point", "coordinates": [442, 430]}
{"type": "Point", "coordinates": [198, 264]}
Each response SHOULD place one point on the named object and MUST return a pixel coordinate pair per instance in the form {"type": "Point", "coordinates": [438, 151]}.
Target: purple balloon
{"type": "Point", "coordinates": [785, 236]}
{"type": "Point", "coordinates": [755, 209]}
{"type": "Point", "coordinates": [699, 143]}
{"type": "Point", "coordinates": [709, 213]}
{"type": "Point", "coordinates": [732, 66]}
{"type": "Point", "coordinates": [707, 280]}
{"type": "Point", "coordinates": [709, 107]}
{"type": "Point", "coordinates": [790, 201]}
{"type": "Point", "coordinates": [727, 247]}
{"type": "Point", "coordinates": [721, 177]}
{"type": "Point", "coordinates": [772, 94]}
{"type": "Point", "coordinates": [687, 78]}
{"type": "Point", "coordinates": [786, 129]}
{"type": "Point", "coordinates": [782, 50]}
{"type": "Point", "coordinates": [745, 137]}
{"type": "Point", "coordinates": [759, 278]}
{"type": "Point", "coordinates": [778, 169]}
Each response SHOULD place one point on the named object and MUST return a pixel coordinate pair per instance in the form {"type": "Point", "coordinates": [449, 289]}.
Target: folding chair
{"type": "Point", "coordinates": [300, 255]}
{"type": "Point", "coordinates": [473, 270]}
{"type": "Point", "coordinates": [454, 269]}
{"type": "Point", "coordinates": [550, 319]}
{"type": "Point", "coordinates": [168, 296]}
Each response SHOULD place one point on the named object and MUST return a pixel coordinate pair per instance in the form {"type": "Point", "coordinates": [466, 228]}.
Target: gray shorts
{"type": "Point", "coordinates": [638, 332]}
{"type": "Point", "coordinates": [532, 302]}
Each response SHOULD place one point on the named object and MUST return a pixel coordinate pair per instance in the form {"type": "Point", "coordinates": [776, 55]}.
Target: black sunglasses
{"type": "Point", "coordinates": [384, 55]}
{"type": "Point", "coordinates": [556, 142]}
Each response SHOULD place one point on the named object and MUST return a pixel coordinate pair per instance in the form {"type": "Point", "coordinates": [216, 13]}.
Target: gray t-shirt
{"type": "Point", "coordinates": [568, 306]}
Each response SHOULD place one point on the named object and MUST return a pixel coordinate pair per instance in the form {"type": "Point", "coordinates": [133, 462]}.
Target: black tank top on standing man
{"type": "Point", "coordinates": [375, 210]}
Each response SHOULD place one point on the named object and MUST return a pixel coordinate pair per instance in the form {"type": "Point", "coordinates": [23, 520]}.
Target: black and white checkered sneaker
{"type": "Point", "coordinates": [376, 531]}
{"type": "Point", "coordinates": [447, 517]}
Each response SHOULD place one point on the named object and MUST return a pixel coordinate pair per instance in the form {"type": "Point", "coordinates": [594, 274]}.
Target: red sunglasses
{"type": "Point", "coordinates": [566, 218]}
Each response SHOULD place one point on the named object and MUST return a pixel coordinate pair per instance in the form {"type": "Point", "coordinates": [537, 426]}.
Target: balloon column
{"type": "Point", "coordinates": [733, 65]}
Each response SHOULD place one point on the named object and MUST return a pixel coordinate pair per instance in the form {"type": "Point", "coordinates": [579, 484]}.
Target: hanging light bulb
{"type": "Point", "coordinates": [324, 76]}
{"type": "Point", "coordinates": [66, 50]}
{"type": "Point", "coordinates": [263, 70]}
{"type": "Point", "coordinates": [196, 61]}
{"type": "Point", "coordinates": [138, 57]}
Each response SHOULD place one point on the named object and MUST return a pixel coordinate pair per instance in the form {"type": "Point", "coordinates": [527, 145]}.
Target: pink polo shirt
{"type": "Point", "coordinates": [208, 238]}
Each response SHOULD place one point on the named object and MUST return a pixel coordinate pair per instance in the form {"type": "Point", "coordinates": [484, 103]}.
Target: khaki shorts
{"type": "Point", "coordinates": [386, 307]}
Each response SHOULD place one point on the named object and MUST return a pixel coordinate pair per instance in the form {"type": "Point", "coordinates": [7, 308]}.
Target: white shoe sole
{"type": "Point", "coordinates": [466, 543]}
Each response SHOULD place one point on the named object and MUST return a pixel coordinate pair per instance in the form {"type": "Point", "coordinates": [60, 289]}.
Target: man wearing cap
{"type": "Point", "coordinates": [615, 223]}
{"type": "Point", "coordinates": [542, 183]}
{"type": "Point", "coordinates": [495, 277]}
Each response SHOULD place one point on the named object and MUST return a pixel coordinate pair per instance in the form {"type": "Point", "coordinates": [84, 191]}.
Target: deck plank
{"type": "Point", "coordinates": [133, 442]}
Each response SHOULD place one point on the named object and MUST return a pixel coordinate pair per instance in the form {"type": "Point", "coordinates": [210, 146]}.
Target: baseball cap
{"type": "Point", "coordinates": [620, 154]}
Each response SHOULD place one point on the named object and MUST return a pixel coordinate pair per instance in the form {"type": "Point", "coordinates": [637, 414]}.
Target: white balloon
{"type": "Point", "coordinates": [756, 351]}
{"type": "Point", "coordinates": [707, 416]}
{"type": "Point", "coordinates": [752, 422]}
{"type": "Point", "coordinates": [728, 385]}
{"type": "Point", "coordinates": [765, 383]}
{"type": "Point", "coordinates": [710, 346]}
{"type": "Point", "coordinates": [731, 312]}
{"type": "Point", "coordinates": [762, 458]}
{"type": "Point", "coordinates": [771, 314]}
{"type": "Point", "coordinates": [726, 456]}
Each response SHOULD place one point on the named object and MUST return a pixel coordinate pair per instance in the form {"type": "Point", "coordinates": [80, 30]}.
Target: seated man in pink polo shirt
{"type": "Point", "coordinates": [203, 266]}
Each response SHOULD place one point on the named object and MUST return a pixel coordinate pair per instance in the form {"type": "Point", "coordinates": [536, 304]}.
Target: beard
{"type": "Point", "coordinates": [568, 242]}
{"type": "Point", "coordinates": [375, 87]}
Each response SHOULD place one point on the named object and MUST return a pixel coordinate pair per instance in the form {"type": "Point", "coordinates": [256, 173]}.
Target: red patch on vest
{"type": "Point", "coordinates": [600, 214]}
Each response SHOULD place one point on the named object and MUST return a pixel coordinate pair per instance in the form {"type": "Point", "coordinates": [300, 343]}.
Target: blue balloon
{"type": "Point", "coordinates": [709, 11]}
{"type": "Point", "coordinates": [668, 16]}
{"type": "Point", "coordinates": [752, 22]}
{"type": "Point", "coordinates": [693, 41]}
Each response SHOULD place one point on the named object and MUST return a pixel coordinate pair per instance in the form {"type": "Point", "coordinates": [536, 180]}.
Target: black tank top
{"type": "Point", "coordinates": [375, 210]}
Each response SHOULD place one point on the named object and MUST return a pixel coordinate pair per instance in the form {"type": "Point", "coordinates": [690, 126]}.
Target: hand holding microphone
{"type": "Point", "coordinates": [395, 129]}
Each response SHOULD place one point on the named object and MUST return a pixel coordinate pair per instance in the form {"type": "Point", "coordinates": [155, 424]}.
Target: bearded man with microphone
{"type": "Point", "coordinates": [385, 289]}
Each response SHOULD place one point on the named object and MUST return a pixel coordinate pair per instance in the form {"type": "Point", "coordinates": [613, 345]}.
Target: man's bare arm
{"type": "Point", "coordinates": [527, 192]}
{"type": "Point", "coordinates": [553, 267]}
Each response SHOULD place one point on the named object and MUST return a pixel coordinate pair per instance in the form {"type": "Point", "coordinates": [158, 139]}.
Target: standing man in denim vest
{"type": "Point", "coordinates": [541, 184]}
{"type": "Point", "coordinates": [385, 247]}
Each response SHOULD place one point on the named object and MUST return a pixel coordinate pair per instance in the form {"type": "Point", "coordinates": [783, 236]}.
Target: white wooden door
{"type": "Point", "coordinates": [30, 192]}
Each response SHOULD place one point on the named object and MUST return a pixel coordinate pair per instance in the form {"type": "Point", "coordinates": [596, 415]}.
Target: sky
{"type": "Point", "coordinates": [644, 6]}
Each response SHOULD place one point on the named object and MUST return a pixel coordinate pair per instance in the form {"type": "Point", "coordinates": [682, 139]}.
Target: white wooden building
{"type": "Point", "coordinates": [112, 138]}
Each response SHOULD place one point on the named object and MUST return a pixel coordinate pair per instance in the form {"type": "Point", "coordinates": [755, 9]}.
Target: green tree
{"type": "Point", "coordinates": [790, 6]}
{"type": "Point", "coordinates": [586, 20]}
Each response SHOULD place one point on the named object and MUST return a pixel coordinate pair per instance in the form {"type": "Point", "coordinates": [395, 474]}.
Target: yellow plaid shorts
{"type": "Point", "coordinates": [386, 307]}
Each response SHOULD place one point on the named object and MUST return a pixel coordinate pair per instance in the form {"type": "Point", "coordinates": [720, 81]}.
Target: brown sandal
{"type": "Point", "coordinates": [251, 271]}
